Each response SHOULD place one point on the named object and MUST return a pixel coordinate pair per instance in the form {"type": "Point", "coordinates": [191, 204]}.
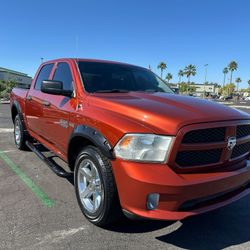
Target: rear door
{"type": "Point", "coordinates": [34, 101]}
{"type": "Point", "coordinates": [57, 109]}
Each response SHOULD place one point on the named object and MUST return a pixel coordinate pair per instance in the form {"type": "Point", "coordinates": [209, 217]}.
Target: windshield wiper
{"type": "Point", "coordinates": [147, 90]}
{"type": "Point", "coordinates": [112, 91]}
{"type": "Point", "coordinates": [151, 90]}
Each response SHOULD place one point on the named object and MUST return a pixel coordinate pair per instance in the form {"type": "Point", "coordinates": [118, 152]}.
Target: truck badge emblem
{"type": "Point", "coordinates": [231, 143]}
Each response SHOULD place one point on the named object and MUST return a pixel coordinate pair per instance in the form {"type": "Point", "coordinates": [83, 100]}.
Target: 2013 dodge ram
{"type": "Point", "coordinates": [132, 144]}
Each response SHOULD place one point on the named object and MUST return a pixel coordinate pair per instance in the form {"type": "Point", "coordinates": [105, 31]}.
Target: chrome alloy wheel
{"type": "Point", "coordinates": [89, 186]}
{"type": "Point", "coordinates": [17, 132]}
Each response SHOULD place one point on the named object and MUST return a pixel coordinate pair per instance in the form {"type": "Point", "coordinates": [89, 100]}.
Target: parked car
{"type": "Point", "coordinates": [132, 144]}
{"type": "Point", "coordinates": [225, 98]}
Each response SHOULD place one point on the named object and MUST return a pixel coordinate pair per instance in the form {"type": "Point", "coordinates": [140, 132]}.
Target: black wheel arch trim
{"type": "Point", "coordinates": [94, 137]}
{"type": "Point", "coordinates": [19, 111]}
{"type": "Point", "coordinates": [17, 106]}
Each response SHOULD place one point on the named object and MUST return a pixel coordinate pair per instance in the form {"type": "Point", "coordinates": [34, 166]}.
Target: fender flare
{"type": "Point", "coordinates": [19, 111]}
{"type": "Point", "coordinates": [95, 137]}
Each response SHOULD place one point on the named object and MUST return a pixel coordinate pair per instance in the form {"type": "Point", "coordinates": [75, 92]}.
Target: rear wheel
{"type": "Point", "coordinates": [95, 187]}
{"type": "Point", "coordinates": [19, 134]}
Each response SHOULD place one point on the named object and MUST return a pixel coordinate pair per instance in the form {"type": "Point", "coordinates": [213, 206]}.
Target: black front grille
{"type": "Point", "coordinates": [242, 131]}
{"type": "Point", "coordinates": [240, 150]}
{"type": "Point", "coordinates": [205, 135]}
{"type": "Point", "coordinates": [197, 158]}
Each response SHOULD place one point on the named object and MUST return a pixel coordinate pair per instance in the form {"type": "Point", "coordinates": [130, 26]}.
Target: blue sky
{"type": "Point", "coordinates": [141, 32]}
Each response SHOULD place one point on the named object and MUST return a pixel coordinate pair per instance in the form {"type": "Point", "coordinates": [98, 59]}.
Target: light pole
{"type": "Point", "coordinates": [204, 92]}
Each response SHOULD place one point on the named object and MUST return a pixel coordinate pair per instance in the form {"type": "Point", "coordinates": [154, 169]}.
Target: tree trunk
{"type": "Point", "coordinates": [224, 80]}
{"type": "Point", "coordinates": [161, 73]}
{"type": "Point", "coordinates": [231, 76]}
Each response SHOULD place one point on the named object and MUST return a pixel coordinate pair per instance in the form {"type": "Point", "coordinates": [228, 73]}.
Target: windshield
{"type": "Point", "coordinates": [109, 77]}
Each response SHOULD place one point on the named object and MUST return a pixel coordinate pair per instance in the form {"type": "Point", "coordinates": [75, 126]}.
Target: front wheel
{"type": "Point", "coordinates": [95, 187]}
{"type": "Point", "coordinates": [19, 134]}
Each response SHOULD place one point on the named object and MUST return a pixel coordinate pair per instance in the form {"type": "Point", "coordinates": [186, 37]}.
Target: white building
{"type": "Point", "coordinates": [207, 88]}
{"type": "Point", "coordinates": [14, 76]}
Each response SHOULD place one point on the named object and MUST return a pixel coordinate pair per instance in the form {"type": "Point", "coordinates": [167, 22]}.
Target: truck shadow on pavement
{"type": "Point", "coordinates": [215, 230]}
{"type": "Point", "coordinates": [219, 229]}
{"type": "Point", "coordinates": [137, 226]}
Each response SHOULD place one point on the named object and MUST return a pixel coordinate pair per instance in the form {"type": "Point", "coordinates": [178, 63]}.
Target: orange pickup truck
{"type": "Point", "coordinates": [133, 145]}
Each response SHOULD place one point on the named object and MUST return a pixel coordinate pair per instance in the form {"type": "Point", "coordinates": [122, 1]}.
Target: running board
{"type": "Point", "coordinates": [54, 167]}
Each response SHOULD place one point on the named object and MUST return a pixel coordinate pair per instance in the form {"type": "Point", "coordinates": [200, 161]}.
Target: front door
{"type": "Point", "coordinates": [57, 109]}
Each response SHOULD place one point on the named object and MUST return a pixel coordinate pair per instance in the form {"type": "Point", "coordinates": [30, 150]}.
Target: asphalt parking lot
{"type": "Point", "coordinates": [38, 210]}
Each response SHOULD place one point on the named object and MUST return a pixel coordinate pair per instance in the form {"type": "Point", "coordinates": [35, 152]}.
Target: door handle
{"type": "Point", "coordinates": [46, 103]}
{"type": "Point", "coordinates": [29, 97]}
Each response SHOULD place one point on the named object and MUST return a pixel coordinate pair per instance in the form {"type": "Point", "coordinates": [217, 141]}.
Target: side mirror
{"type": "Point", "coordinates": [55, 88]}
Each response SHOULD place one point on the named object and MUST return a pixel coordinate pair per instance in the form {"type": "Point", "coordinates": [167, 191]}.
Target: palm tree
{"type": "Point", "coordinates": [180, 74]}
{"type": "Point", "coordinates": [238, 80]}
{"type": "Point", "coordinates": [190, 70]}
{"type": "Point", "coordinates": [225, 71]}
{"type": "Point", "coordinates": [162, 66]}
{"type": "Point", "coordinates": [169, 77]}
{"type": "Point", "coordinates": [248, 83]}
{"type": "Point", "coordinates": [232, 66]}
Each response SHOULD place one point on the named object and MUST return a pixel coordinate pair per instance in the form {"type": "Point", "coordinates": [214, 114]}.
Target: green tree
{"type": "Point", "coordinates": [162, 66]}
{"type": "Point", "coordinates": [225, 71]}
{"type": "Point", "coordinates": [5, 88]}
{"type": "Point", "coordinates": [228, 89]}
{"type": "Point", "coordinates": [232, 66]}
{"type": "Point", "coordinates": [186, 88]}
{"type": "Point", "coordinates": [238, 80]}
{"type": "Point", "coordinates": [169, 77]}
{"type": "Point", "coordinates": [2, 86]}
{"type": "Point", "coordinates": [190, 70]}
{"type": "Point", "coordinates": [180, 74]}
{"type": "Point", "coordinates": [183, 87]}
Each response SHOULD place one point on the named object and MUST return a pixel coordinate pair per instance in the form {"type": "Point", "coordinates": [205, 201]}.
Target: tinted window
{"type": "Point", "coordinates": [43, 75]}
{"type": "Point", "coordinates": [63, 74]}
{"type": "Point", "coordinates": [109, 77]}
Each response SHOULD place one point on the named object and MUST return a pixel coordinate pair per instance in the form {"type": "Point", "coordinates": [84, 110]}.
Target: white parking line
{"type": "Point", "coordinates": [57, 236]}
{"type": "Point", "coordinates": [225, 103]}
{"type": "Point", "coordinates": [6, 130]}
{"type": "Point", "coordinates": [8, 151]}
{"type": "Point", "coordinates": [240, 107]}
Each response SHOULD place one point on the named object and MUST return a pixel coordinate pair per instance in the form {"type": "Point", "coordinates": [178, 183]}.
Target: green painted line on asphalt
{"type": "Point", "coordinates": [43, 197]}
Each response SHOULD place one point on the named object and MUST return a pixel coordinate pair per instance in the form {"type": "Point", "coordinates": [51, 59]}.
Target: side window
{"type": "Point", "coordinates": [64, 75]}
{"type": "Point", "coordinates": [43, 75]}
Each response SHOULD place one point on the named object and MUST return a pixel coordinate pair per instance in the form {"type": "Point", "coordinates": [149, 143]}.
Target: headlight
{"type": "Point", "coordinates": [144, 147]}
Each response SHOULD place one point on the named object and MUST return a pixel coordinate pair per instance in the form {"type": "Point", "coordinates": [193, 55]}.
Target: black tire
{"type": "Point", "coordinates": [20, 143]}
{"type": "Point", "coordinates": [109, 209]}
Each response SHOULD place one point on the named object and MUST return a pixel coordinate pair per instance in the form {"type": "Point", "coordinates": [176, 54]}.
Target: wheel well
{"type": "Point", "coordinates": [75, 146]}
{"type": "Point", "coordinates": [14, 112]}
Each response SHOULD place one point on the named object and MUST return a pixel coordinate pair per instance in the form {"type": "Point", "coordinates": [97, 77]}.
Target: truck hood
{"type": "Point", "coordinates": [165, 113]}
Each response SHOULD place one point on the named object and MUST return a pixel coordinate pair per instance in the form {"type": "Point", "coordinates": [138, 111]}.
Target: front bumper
{"type": "Point", "coordinates": [178, 192]}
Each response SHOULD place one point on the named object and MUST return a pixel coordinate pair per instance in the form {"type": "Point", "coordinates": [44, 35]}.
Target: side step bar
{"type": "Point", "coordinates": [54, 167]}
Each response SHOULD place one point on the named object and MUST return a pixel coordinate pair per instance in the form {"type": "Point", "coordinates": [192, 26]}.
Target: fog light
{"type": "Point", "coordinates": [152, 201]}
